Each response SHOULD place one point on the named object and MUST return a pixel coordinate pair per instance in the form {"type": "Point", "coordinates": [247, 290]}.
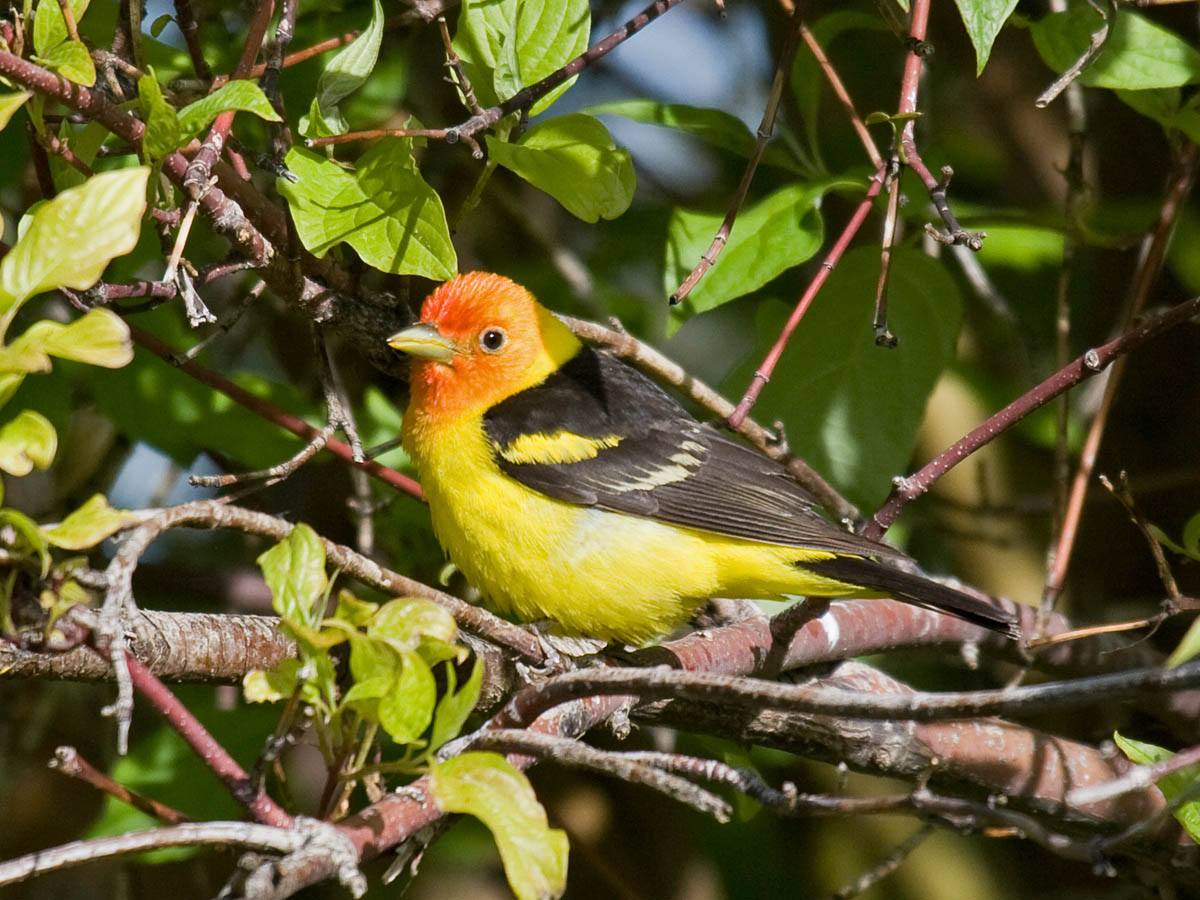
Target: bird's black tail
{"type": "Point", "coordinates": [918, 589]}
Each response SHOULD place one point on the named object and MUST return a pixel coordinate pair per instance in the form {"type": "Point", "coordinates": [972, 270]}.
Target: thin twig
{"type": "Point", "coordinates": [272, 413]}
{"type": "Point", "coordinates": [199, 171]}
{"type": "Point", "coordinates": [663, 683]}
{"type": "Point", "coordinates": [763, 374]}
{"type": "Point", "coordinates": [185, 17]}
{"type": "Point", "coordinates": [626, 766]}
{"type": "Point", "coordinates": [68, 761]}
{"type": "Point", "coordinates": [839, 91]}
{"type": "Point", "coordinates": [1136, 779]}
{"type": "Point", "coordinates": [1124, 496]}
{"type": "Point", "coordinates": [457, 76]}
{"type": "Point", "coordinates": [1095, 45]}
{"type": "Point", "coordinates": [766, 126]}
{"type": "Point", "coordinates": [885, 867]}
{"type": "Point", "coordinates": [883, 336]}
{"type": "Point", "coordinates": [1182, 177]}
{"type": "Point", "coordinates": [1086, 366]}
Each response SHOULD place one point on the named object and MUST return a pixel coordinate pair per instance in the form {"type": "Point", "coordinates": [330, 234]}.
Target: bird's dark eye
{"type": "Point", "coordinates": [493, 339]}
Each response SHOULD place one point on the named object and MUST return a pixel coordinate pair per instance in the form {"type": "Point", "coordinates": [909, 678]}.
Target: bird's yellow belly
{"type": "Point", "coordinates": [597, 573]}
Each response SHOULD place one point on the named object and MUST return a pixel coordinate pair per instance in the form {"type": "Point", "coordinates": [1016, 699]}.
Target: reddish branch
{"type": "Point", "coordinates": [261, 807]}
{"type": "Point", "coordinates": [195, 178]}
{"type": "Point", "coordinates": [1150, 265]}
{"type": "Point", "coordinates": [68, 761]}
{"type": "Point", "coordinates": [763, 374]}
{"type": "Point", "coordinates": [273, 413]}
{"type": "Point", "coordinates": [1090, 364]}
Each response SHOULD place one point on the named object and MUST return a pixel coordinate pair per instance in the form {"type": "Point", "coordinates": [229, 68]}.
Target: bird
{"type": "Point", "coordinates": [566, 485]}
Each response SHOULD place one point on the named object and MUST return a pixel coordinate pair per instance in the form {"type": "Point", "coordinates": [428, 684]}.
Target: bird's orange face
{"type": "Point", "coordinates": [481, 339]}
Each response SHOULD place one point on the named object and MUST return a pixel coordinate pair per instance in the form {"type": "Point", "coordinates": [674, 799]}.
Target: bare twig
{"type": "Point", "coordinates": [763, 374]}
{"type": "Point", "coordinates": [1086, 366]}
{"type": "Point", "coordinates": [1124, 496]}
{"type": "Point", "coordinates": [1095, 45]}
{"type": "Point", "coordinates": [663, 682]}
{"type": "Point", "coordinates": [885, 867]}
{"type": "Point", "coordinates": [68, 761]}
{"type": "Point", "coordinates": [1150, 264]}
{"type": "Point", "coordinates": [272, 413]}
{"type": "Point", "coordinates": [199, 171]}
{"type": "Point", "coordinates": [634, 768]}
{"type": "Point", "coordinates": [766, 126]}
{"type": "Point", "coordinates": [185, 16]}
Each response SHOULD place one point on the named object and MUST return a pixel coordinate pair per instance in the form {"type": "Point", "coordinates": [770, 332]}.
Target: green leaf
{"type": "Point", "coordinates": [345, 74]}
{"type": "Point", "coordinates": [27, 530]}
{"type": "Point", "coordinates": [778, 232]}
{"type": "Point", "coordinates": [1171, 785]}
{"type": "Point", "coordinates": [405, 621]}
{"type": "Point", "coordinates": [851, 408]}
{"type": "Point", "coordinates": [507, 45]}
{"type": "Point", "coordinates": [710, 125]}
{"type": "Point", "coordinates": [72, 61]}
{"type": "Point", "coordinates": [9, 104]}
{"type": "Point", "coordinates": [372, 660]}
{"type": "Point", "coordinates": [1138, 55]}
{"type": "Point", "coordinates": [572, 158]}
{"type": "Point", "coordinates": [1166, 106]}
{"type": "Point", "coordinates": [157, 26]}
{"type": "Point", "coordinates": [163, 133]}
{"type": "Point", "coordinates": [1024, 247]}
{"type": "Point", "coordinates": [1189, 545]}
{"type": "Point", "coordinates": [70, 239]}
{"type": "Point", "coordinates": [384, 210]}
{"type": "Point", "coordinates": [295, 571]}
{"type": "Point", "coordinates": [245, 96]}
{"type": "Point", "coordinates": [49, 26]}
{"type": "Point", "coordinates": [983, 20]}
{"type": "Point", "coordinates": [259, 686]}
{"type": "Point", "coordinates": [88, 525]}
{"type": "Point", "coordinates": [1189, 646]}
{"type": "Point", "coordinates": [352, 610]}
{"type": "Point", "coordinates": [26, 441]}
{"type": "Point", "coordinates": [99, 338]}
{"type": "Point", "coordinates": [454, 708]}
{"type": "Point", "coordinates": [487, 786]}
{"type": "Point", "coordinates": [406, 710]}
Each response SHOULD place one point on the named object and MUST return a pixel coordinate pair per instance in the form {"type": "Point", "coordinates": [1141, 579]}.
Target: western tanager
{"type": "Point", "coordinates": [565, 484]}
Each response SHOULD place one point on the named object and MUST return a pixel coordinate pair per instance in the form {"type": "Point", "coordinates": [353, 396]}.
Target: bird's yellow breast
{"type": "Point", "coordinates": [597, 573]}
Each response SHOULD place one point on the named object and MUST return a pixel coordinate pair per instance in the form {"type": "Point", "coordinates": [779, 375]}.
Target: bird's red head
{"type": "Point", "coordinates": [481, 338]}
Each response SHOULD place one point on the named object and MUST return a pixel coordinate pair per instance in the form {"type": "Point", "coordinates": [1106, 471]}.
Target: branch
{"type": "Point", "coordinates": [306, 836]}
{"type": "Point", "coordinates": [1090, 364]}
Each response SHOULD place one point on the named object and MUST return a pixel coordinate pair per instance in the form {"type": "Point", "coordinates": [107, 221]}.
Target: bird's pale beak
{"type": "Point", "coordinates": [424, 342]}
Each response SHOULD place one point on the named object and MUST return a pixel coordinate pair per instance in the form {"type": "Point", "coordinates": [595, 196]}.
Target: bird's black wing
{"type": "Point", "coordinates": [599, 433]}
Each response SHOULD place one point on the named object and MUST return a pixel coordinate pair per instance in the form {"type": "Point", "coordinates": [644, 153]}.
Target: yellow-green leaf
{"type": "Point", "coordinates": [28, 440]}
{"type": "Point", "coordinates": [70, 239]}
{"type": "Point", "coordinates": [405, 621]}
{"type": "Point", "coordinates": [295, 571]}
{"type": "Point", "coordinates": [71, 60]}
{"type": "Point", "coordinates": [487, 786]}
{"type": "Point", "coordinates": [10, 103]}
{"type": "Point", "coordinates": [260, 686]}
{"type": "Point", "coordinates": [49, 26]}
{"type": "Point", "coordinates": [88, 525]}
{"type": "Point", "coordinates": [1171, 785]}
